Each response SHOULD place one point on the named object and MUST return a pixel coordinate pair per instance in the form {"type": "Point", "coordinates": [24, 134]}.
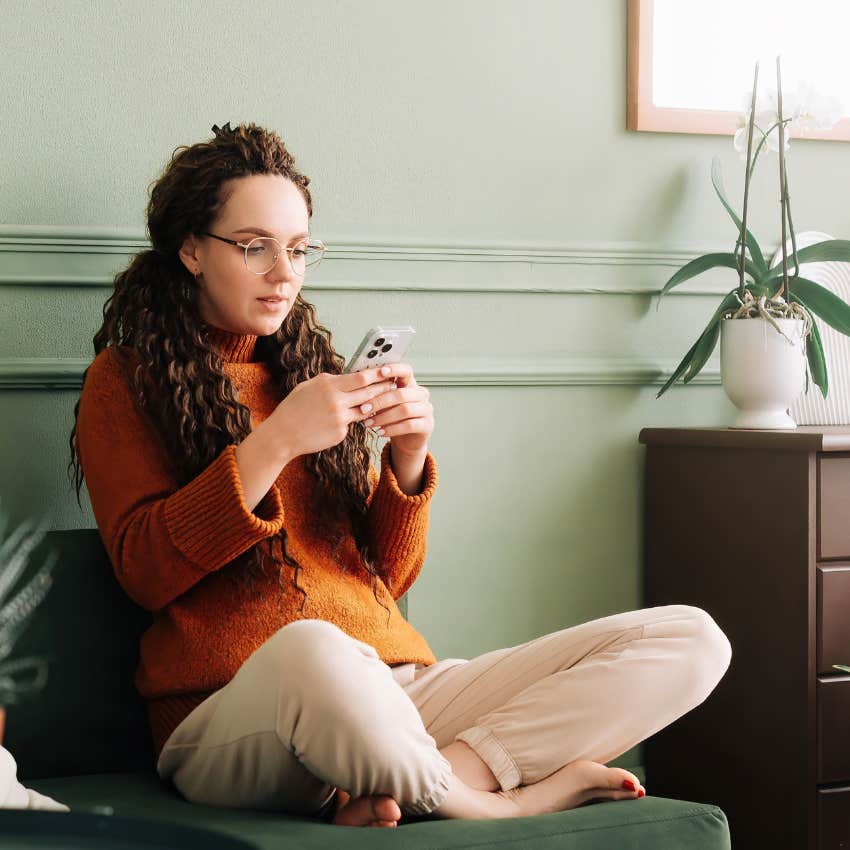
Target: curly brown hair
{"type": "Point", "coordinates": [179, 383]}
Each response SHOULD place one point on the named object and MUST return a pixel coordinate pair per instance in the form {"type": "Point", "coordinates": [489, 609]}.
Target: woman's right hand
{"type": "Point", "coordinates": [317, 412]}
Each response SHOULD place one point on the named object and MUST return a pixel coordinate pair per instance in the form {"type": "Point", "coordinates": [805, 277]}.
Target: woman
{"type": "Point", "coordinates": [227, 460]}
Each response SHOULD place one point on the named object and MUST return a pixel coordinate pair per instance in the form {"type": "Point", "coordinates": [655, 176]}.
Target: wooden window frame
{"type": "Point", "coordinates": [643, 115]}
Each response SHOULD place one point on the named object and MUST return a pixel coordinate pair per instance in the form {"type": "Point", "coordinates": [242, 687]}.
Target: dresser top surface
{"type": "Point", "coordinates": [805, 438]}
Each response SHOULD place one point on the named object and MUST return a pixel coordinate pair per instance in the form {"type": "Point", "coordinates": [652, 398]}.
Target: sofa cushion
{"type": "Point", "coordinates": [89, 717]}
{"type": "Point", "coordinates": [21, 829]}
{"type": "Point", "coordinates": [653, 822]}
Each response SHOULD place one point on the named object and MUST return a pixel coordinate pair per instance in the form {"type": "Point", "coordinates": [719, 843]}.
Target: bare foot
{"type": "Point", "coordinates": [577, 783]}
{"type": "Point", "coordinates": [378, 810]}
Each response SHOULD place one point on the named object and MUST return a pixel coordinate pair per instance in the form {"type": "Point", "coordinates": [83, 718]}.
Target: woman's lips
{"type": "Point", "coordinates": [272, 304]}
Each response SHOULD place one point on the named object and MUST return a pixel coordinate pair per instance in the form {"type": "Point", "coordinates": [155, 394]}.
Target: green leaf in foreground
{"type": "Point", "coordinates": [817, 360]}
{"type": "Point", "coordinates": [835, 250]}
{"type": "Point", "coordinates": [752, 243]}
{"type": "Point", "coordinates": [824, 303]}
{"type": "Point", "coordinates": [699, 347]}
{"type": "Point", "coordinates": [703, 264]}
{"type": "Point", "coordinates": [814, 353]}
{"type": "Point", "coordinates": [705, 345]}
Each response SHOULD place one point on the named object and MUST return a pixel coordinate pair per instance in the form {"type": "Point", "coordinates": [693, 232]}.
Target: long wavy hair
{"type": "Point", "coordinates": [179, 383]}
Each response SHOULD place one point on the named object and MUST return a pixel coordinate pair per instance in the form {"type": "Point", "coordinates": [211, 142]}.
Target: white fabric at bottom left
{"type": "Point", "coordinates": [13, 795]}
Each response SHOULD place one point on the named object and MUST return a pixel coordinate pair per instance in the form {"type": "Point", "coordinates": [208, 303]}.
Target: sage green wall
{"type": "Point", "coordinates": [472, 175]}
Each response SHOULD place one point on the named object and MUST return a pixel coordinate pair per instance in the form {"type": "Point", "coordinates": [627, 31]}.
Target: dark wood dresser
{"type": "Point", "coordinates": [754, 527]}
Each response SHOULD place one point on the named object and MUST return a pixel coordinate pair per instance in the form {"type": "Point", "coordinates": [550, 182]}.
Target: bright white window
{"type": "Point", "coordinates": [704, 53]}
{"type": "Point", "coordinates": [691, 61]}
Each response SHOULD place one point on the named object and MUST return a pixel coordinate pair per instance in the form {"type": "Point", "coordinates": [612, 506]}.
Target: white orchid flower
{"type": "Point", "coordinates": [766, 124]}
{"type": "Point", "coordinates": [802, 109]}
{"type": "Point", "coordinates": [815, 111]}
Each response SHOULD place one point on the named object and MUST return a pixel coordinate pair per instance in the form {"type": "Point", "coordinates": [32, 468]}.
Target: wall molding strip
{"type": "Point", "coordinates": [81, 257]}
{"type": "Point", "coordinates": [50, 373]}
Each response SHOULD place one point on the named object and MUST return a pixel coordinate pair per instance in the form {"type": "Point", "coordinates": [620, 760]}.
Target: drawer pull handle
{"type": "Point", "coordinates": [843, 667]}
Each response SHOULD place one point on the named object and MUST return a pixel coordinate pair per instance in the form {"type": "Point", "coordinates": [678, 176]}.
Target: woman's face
{"type": "Point", "coordinates": [228, 293]}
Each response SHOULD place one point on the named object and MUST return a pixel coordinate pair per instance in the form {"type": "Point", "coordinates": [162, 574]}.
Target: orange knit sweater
{"type": "Point", "coordinates": [171, 547]}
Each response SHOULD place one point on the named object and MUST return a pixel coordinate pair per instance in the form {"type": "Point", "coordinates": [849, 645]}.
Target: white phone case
{"type": "Point", "coordinates": [380, 346]}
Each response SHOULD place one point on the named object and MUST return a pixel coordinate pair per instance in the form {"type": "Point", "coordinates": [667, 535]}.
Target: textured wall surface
{"type": "Point", "coordinates": [472, 176]}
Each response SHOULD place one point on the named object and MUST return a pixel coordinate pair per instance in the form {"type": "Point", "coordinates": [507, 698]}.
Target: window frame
{"type": "Point", "coordinates": [643, 115]}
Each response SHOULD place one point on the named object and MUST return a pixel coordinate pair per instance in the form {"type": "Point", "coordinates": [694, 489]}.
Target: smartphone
{"type": "Point", "coordinates": [380, 346]}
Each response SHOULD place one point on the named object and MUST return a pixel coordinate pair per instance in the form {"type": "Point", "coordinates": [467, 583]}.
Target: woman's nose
{"type": "Point", "coordinates": [282, 269]}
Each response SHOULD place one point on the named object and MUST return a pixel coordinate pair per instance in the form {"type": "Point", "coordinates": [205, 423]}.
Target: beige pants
{"type": "Point", "coordinates": [314, 709]}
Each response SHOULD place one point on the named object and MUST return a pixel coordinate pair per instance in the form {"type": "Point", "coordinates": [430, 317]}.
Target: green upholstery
{"type": "Point", "coordinates": [89, 718]}
{"type": "Point", "coordinates": [85, 742]}
{"type": "Point", "coordinates": [655, 823]}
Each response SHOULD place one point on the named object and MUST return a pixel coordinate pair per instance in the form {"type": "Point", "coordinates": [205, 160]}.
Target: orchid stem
{"type": "Point", "coordinates": [783, 185]}
{"type": "Point", "coordinates": [764, 135]}
{"type": "Point", "coordinates": [794, 259]}
{"type": "Point", "coordinates": [743, 236]}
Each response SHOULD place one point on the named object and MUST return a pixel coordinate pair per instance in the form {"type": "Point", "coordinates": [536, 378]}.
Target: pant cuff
{"type": "Point", "coordinates": [434, 799]}
{"type": "Point", "coordinates": [493, 753]}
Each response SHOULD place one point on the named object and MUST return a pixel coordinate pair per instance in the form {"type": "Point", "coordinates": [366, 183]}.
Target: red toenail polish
{"type": "Point", "coordinates": [627, 783]}
{"type": "Point", "coordinates": [641, 793]}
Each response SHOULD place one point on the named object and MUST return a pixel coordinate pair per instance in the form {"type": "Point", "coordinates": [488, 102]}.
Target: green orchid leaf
{"type": "Point", "coordinates": [752, 243]}
{"type": "Point", "coordinates": [678, 370]}
{"type": "Point", "coordinates": [814, 352]}
{"type": "Point", "coordinates": [830, 249]}
{"type": "Point", "coordinates": [703, 264]}
{"type": "Point", "coordinates": [824, 303]}
{"type": "Point", "coordinates": [703, 347]}
{"type": "Point", "coordinates": [817, 360]}
{"type": "Point", "coordinates": [757, 289]}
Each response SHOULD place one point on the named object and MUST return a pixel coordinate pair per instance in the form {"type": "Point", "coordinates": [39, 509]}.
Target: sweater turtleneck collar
{"type": "Point", "coordinates": [234, 348]}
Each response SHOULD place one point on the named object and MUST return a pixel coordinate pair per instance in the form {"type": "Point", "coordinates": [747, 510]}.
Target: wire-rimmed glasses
{"type": "Point", "coordinates": [261, 253]}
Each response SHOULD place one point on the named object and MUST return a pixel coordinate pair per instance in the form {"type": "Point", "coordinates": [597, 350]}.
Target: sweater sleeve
{"type": "Point", "coordinates": [162, 539]}
{"type": "Point", "coordinates": [398, 524]}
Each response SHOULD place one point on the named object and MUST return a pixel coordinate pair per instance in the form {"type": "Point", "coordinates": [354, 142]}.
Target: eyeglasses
{"type": "Point", "coordinates": [261, 253]}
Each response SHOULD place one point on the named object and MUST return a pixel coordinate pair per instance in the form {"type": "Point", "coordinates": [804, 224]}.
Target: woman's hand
{"type": "Point", "coordinates": [316, 414]}
{"type": "Point", "coordinates": [405, 415]}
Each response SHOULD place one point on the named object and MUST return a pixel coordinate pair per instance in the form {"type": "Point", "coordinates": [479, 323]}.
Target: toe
{"type": "Point", "coordinates": [385, 809]}
{"type": "Point", "coordinates": [625, 779]}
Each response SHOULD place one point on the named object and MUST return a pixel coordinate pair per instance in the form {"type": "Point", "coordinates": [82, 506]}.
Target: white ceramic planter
{"type": "Point", "coordinates": [762, 372]}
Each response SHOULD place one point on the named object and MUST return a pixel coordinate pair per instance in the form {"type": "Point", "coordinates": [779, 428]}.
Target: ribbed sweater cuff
{"type": "Point", "coordinates": [209, 521]}
{"type": "Point", "coordinates": [397, 518]}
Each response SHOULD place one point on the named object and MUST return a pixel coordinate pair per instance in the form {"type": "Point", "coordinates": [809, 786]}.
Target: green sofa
{"type": "Point", "coordinates": [84, 741]}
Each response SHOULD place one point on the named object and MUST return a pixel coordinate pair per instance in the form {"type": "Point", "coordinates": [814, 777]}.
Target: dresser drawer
{"type": "Point", "coordinates": [833, 507]}
{"type": "Point", "coordinates": [833, 818]}
{"type": "Point", "coordinates": [833, 613]}
{"type": "Point", "coordinates": [833, 694]}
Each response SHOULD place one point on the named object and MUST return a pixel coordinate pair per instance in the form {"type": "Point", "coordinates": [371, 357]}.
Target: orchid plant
{"type": "Point", "coordinates": [19, 676]}
{"type": "Point", "coordinates": [763, 290]}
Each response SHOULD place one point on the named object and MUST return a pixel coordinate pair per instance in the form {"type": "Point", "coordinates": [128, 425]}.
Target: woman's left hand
{"type": "Point", "coordinates": [405, 414]}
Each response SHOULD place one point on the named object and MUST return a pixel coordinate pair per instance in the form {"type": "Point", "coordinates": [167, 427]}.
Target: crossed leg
{"type": "Point", "coordinates": [523, 736]}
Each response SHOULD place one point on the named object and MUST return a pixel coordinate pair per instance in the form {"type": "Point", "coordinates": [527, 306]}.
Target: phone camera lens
{"type": "Point", "coordinates": [379, 342]}
{"type": "Point", "coordinates": [372, 353]}
{"type": "Point", "coordinates": [387, 347]}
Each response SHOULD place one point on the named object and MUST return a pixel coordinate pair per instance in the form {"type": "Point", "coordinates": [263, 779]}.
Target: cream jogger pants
{"type": "Point", "coordinates": [314, 709]}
